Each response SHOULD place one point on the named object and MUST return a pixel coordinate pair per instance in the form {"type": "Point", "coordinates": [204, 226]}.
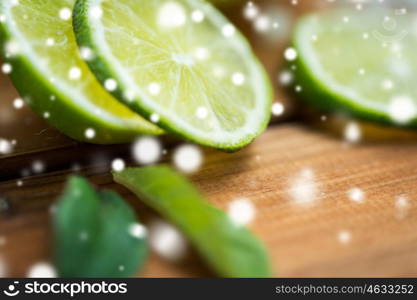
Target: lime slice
{"type": "Point", "coordinates": [179, 63]}
{"type": "Point", "coordinates": [43, 61]}
{"type": "Point", "coordinates": [360, 63]}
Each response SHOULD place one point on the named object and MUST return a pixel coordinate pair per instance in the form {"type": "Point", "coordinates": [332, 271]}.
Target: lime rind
{"type": "Point", "coordinates": [324, 93]}
{"type": "Point", "coordinates": [104, 66]}
{"type": "Point", "coordinates": [67, 110]}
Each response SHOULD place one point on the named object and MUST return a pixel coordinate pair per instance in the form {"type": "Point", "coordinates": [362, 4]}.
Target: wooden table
{"type": "Point", "coordinates": [330, 235]}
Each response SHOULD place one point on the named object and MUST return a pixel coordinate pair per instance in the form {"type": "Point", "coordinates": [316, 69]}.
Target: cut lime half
{"type": "Point", "coordinates": [44, 63]}
{"type": "Point", "coordinates": [179, 63]}
{"type": "Point", "coordinates": [360, 63]}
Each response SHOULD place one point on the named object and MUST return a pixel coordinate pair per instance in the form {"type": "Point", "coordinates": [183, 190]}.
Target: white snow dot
{"type": "Point", "coordinates": [262, 23]}
{"type": "Point", "coordinates": [238, 78]}
{"type": "Point", "coordinates": [74, 73]}
{"type": "Point", "coordinates": [250, 11]}
{"type": "Point", "coordinates": [197, 16]}
{"type": "Point", "coordinates": [38, 166]}
{"type": "Point", "coordinates": [344, 237]}
{"type": "Point", "coordinates": [167, 241]}
{"type": "Point", "coordinates": [6, 146]}
{"type": "Point", "coordinates": [188, 158]}
{"type": "Point", "coordinates": [201, 53]}
{"type": "Point", "coordinates": [241, 211]}
{"type": "Point", "coordinates": [18, 103]}
{"type": "Point", "coordinates": [129, 95]}
{"type": "Point", "coordinates": [278, 109]}
{"type": "Point", "coordinates": [83, 236]}
{"type": "Point", "coordinates": [6, 68]}
{"type": "Point", "coordinates": [356, 195]}
{"type": "Point", "coordinates": [228, 30]}
{"type": "Point", "coordinates": [96, 12]}
{"type": "Point", "coordinates": [42, 270]}
{"type": "Point", "coordinates": [12, 48]}
{"type": "Point", "coordinates": [352, 133]}
{"type": "Point", "coordinates": [50, 42]}
{"type": "Point", "coordinates": [118, 165]}
{"type": "Point", "coordinates": [401, 203]}
{"type": "Point", "coordinates": [303, 188]}
{"type": "Point", "coordinates": [147, 150]}
{"type": "Point", "coordinates": [290, 54]}
{"type": "Point", "coordinates": [155, 118]}
{"type": "Point", "coordinates": [137, 231]}
{"type": "Point", "coordinates": [201, 112]}
{"type": "Point", "coordinates": [90, 133]}
{"type": "Point", "coordinates": [171, 15]}
{"type": "Point", "coordinates": [402, 109]}
{"type": "Point", "coordinates": [387, 84]}
{"type": "Point", "coordinates": [154, 88]}
{"type": "Point", "coordinates": [110, 85]}
{"type": "Point", "coordinates": [402, 206]}
{"type": "Point", "coordinates": [286, 78]}
{"type": "Point", "coordinates": [86, 53]}
{"type": "Point", "coordinates": [65, 13]}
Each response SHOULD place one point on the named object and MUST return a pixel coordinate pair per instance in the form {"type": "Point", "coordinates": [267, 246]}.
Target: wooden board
{"type": "Point", "coordinates": [331, 235]}
{"type": "Point", "coordinates": [303, 240]}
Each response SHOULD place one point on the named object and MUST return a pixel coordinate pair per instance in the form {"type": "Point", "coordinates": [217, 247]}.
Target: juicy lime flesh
{"type": "Point", "coordinates": [194, 70]}
{"type": "Point", "coordinates": [46, 26]}
{"type": "Point", "coordinates": [368, 57]}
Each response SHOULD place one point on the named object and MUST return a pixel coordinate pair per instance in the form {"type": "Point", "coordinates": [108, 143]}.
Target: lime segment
{"type": "Point", "coordinates": [47, 69]}
{"type": "Point", "coordinates": [361, 63]}
{"type": "Point", "coordinates": [179, 63]}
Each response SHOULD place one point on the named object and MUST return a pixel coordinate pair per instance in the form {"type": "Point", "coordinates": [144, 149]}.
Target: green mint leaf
{"type": "Point", "coordinates": [231, 250]}
{"type": "Point", "coordinates": [94, 234]}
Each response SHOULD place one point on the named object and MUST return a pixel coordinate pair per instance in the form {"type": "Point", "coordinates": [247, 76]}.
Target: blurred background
{"type": "Point", "coordinates": [331, 196]}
